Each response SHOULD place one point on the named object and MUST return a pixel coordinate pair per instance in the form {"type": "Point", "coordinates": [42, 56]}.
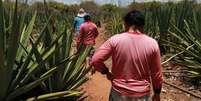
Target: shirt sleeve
{"type": "Point", "coordinates": [156, 69]}
{"type": "Point", "coordinates": [102, 54]}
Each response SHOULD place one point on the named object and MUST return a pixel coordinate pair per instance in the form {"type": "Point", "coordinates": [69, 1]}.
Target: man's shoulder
{"type": "Point", "coordinates": [83, 25]}
{"type": "Point", "coordinates": [94, 24]}
{"type": "Point", "coordinates": [90, 24]}
{"type": "Point", "coordinates": [150, 39]}
{"type": "Point", "coordinates": [116, 36]}
{"type": "Point", "coordinates": [153, 42]}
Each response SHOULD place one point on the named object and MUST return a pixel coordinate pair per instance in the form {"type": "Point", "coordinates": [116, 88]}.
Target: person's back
{"type": "Point", "coordinates": [88, 32]}
{"type": "Point", "coordinates": [78, 21]}
{"type": "Point", "coordinates": [87, 36]}
{"type": "Point", "coordinates": [132, 56]}
{"type": "Point", "coordinates": [135, 59]}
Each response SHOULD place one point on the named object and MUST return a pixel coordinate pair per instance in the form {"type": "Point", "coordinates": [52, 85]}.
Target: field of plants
{"type": "Point", "coordinates": [38, 61]}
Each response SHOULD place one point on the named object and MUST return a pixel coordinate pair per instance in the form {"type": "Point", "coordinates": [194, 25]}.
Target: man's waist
{"type": "Point", "coordinates": [131, 87]}
{"type": "Point", "coordinates": [133, 94]}
{"type": "Point", "coordinates": [90, 41]}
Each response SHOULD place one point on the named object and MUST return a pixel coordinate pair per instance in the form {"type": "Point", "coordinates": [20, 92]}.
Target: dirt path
{"type": "Point", "coordinates": [98, 87]}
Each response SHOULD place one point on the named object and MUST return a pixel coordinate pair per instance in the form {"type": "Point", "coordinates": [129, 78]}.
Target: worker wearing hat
{"type": "Point", "coordinates": [78, 20]}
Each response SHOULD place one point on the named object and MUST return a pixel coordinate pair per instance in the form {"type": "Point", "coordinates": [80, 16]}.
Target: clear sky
{"type": "Point", "coordinates": [122, 2]}
{"type": "Point", "coordinates": [111, 1]}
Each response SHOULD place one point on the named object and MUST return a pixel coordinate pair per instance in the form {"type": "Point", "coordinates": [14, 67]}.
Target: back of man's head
{"type": "Point", "coordinates": [87, 17]}
{"type": "Point", "coordinates": [134, 17]}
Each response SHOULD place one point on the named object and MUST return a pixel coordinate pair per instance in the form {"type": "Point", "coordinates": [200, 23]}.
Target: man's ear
{"type": "Point", "coordinates": [126, 27]}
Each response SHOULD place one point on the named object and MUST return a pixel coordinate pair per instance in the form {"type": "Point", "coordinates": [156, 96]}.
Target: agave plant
{"type": "Point", "coordinates": [29, 63]}
{"type": "Point", "coordinates": [182, 11]}
{"type": "Point", "coordinates": [115, 25]}
{"type": "Point", "coordinates": [151, 25]}
{"type": "Point", "coordinates": [13, 64]}
{"type": "Point", "coordinates": [163, 15]}
{"type": "Point", "coordinates": [188, 47]}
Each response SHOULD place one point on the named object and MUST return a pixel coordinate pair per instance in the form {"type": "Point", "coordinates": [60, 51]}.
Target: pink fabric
{"type": "Point", "coordinates": [135, 58]}
{"type": "Point", "coordinates": [88, 33]}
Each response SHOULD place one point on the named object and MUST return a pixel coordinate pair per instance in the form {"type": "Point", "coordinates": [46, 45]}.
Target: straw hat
{"type": "Point", "coordinates": [81, 13]}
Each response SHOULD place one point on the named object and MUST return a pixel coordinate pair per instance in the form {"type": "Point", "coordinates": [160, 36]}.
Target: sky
{"type": "Point", "coordinates": [122, 2]}
{"type": "Point", "coordinates": [111, 1]}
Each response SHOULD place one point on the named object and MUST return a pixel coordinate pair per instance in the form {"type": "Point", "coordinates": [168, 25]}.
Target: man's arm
{"type": "Point", "coordinates": [74, 24]}
{"type": "Point", "coordinates": [102, 54]}
{"type": "Point", "coordinates": [156, 71]}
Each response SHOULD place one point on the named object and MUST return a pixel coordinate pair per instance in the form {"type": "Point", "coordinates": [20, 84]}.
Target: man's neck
{"type": "Point", "coordinates": [88, 21]}
{"type": "Point", "coordinates": [134, 30]}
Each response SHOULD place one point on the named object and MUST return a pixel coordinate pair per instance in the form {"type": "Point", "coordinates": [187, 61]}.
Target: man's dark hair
{"type": "Point", "coordinates": [134, 17]}
{"type": "Point", "coordinates": [87, 17]}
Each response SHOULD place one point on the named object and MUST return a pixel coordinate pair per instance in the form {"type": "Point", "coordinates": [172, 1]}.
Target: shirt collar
{"type": "Point", "coordinates": [136, 33]}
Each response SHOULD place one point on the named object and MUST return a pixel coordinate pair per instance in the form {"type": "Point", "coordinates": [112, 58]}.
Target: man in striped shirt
{"type": "Point", "coordinates": [135, 62]}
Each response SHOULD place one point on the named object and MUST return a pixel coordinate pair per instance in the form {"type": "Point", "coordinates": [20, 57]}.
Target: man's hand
{"type": "Point", "coordinates": [156, 97]}
{"type": "Point", "coordinates": [109, 76]}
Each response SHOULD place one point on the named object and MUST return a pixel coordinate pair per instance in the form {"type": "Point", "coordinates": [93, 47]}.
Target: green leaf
{"type": "Point", "coordinates": [47, 54]}
{"type": "Point", "coordinates": [55, 95]}
{"type": "Point", "coordinates": [37, 54]}
{"type": "Point", "coordinates": [28, 59]}
{"type": "Point", "coordinates": [12, 46]}
{"type": "Point", "coordinates": [75, 69]}
{"type": "Point", "coordinates": [31, 85]}
{"type": "Point", "coordinates": [2, 28]}
{"type": "Point", "coordinates": [25, 36]}
{"type": "Point", "coordinates": [36, 67]}
{"type": "Point", "coordinates": [3, 73]}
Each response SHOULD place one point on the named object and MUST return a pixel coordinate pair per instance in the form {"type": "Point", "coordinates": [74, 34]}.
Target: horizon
{"type": "Point", "coordinates": [101, 2]}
